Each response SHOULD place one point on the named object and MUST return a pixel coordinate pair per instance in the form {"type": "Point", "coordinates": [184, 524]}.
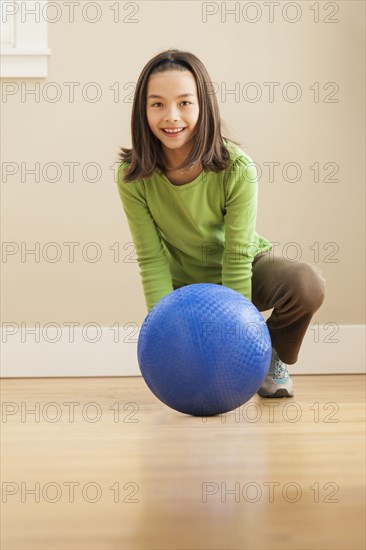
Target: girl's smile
{"type": "Point", "coordinates": [173, 132]}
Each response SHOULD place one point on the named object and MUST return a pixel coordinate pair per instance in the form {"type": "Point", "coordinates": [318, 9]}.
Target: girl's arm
{"type": "Point", "coordinates": [240, 221]}
{"type": "Point", "coordinates": [154, 268]}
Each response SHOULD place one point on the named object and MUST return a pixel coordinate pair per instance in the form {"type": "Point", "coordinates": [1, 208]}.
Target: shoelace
{"type": "Point", "coordinates": [277, 368]}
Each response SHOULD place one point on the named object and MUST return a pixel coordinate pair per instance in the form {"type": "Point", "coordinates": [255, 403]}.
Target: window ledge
{"type": "Point", "coordinates": [24, 63]}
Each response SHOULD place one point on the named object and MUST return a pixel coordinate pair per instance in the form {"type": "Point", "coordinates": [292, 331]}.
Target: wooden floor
{"type": "Point", "coordinates": [105, 465]}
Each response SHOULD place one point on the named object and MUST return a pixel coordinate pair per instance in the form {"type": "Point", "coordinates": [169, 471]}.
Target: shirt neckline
{"type": "Point", "coordinates": [183, 186]}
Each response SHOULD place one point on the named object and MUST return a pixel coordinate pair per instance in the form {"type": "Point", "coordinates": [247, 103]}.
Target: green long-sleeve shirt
{"type": "Point", "coordinates": [198, 232]}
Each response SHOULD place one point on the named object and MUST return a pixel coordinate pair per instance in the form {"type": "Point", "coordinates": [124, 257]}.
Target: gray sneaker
{"type": "Point", "coordinates": [278, 382]}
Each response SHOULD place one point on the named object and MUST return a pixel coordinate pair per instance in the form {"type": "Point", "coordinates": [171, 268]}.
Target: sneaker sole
{"type": "Point", "coordinates": [278, 393]}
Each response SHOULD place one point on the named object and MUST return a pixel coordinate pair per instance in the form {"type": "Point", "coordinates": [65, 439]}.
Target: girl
{"type": "Point", "coordinates": [190, 198]}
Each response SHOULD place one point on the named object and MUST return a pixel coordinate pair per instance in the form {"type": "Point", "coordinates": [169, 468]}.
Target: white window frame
{"type": "Point", "coordinates": [27, 55]}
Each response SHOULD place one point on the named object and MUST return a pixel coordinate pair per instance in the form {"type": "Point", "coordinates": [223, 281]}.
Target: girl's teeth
{"type": "Point", "coordinates": [173, 131]}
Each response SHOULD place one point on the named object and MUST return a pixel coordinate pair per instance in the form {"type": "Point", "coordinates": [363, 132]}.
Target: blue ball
{"type": "Point", "coordinates": [204, 349]}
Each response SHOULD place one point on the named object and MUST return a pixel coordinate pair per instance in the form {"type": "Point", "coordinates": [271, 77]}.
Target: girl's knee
{"type": "Point", "coordinates": [309, 284]}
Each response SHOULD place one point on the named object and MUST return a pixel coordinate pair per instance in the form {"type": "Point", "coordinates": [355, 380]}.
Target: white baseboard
{"type": "Point", "coordinates": [327, 349]}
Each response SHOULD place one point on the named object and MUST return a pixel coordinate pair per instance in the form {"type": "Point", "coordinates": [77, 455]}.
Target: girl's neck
{"type": "Point", "coordinates": [175, 157]}
{"type": "Point", "coordinates": [181, 177]}
{"type": "Point", "coordinates": [182, 170]}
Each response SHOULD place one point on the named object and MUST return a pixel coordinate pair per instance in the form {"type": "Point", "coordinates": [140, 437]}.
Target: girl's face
{"type": "Point", "coordinates": [172, 103]}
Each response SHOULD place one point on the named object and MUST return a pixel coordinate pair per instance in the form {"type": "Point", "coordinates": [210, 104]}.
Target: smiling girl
{"type": "Point", "coordinates": [190, 198]}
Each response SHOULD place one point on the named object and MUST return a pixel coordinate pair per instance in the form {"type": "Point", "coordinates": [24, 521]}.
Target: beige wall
{"type": "Point", "coordinates": [111, 54]}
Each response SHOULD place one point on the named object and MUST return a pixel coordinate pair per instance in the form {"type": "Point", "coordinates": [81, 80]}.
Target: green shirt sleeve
{"type": "Point", "coordinates": [240, 221]}
{"type": "Point", "coordinates": [153, 264]}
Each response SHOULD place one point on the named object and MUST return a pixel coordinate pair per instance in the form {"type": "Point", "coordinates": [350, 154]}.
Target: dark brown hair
{"type": "Point", "coordinates": [146, 154]}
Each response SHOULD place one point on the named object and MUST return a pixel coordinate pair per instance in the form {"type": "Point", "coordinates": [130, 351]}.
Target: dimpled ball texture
{"type": "Point", "coordinates": [204, 349]}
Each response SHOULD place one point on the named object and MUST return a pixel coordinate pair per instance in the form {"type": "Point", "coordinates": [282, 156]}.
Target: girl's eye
{"type": "Point", "coordinates": [153, 105]}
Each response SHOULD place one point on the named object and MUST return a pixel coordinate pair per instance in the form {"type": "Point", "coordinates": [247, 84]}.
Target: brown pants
{"type": "Point", "coordinates": [294, 291]}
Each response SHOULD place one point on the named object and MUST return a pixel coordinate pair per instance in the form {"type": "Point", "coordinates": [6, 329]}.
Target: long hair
{"type": "Point", "coordinates": [146, 154]}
